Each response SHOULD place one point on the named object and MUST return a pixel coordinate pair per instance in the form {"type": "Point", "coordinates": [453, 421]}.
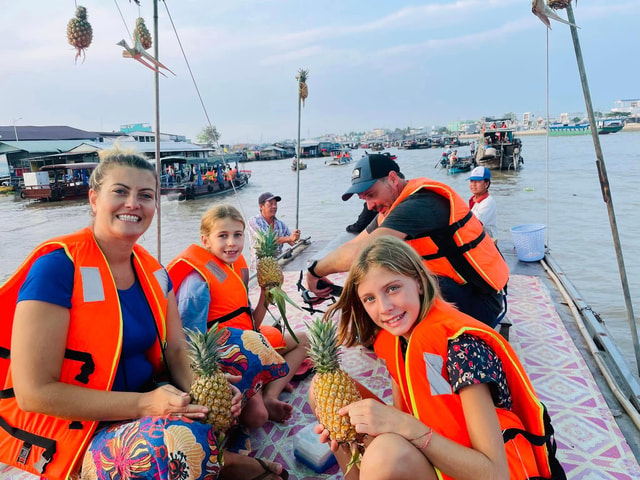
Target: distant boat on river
{"type": "Point", "coordinates": [62, 181]}
{"type": "Point", "coordinates": [185, 178]}
{"type": "Point", "coordinates": [499, 149]}
{"type": "Point", "coordinates": [605, 127]}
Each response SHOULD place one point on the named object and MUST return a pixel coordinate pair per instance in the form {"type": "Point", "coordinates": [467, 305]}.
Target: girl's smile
{"type": "Point", "coordinates": [226, 240]}
{"type": "Point", "coordinates": [391, 300]}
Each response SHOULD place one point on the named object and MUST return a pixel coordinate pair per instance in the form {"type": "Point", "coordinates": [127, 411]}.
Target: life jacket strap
{"type": "Point", "coordinates": [88, 365]}
{"type": "Point", "coordinates": [447, 249]}
{"type": "Point", "coordinates": [29, 440]}
{"type": "Point", "coordinates": [229, 316]}
{"type": "Point", "coordinates": [548, 439]}
{"type": "Point", "coordinates": [7, 393]}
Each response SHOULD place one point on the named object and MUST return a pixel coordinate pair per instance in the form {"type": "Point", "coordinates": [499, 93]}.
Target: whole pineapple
{"type": "Point", "coordinates": [333, 387]}
{"type": "Point", "coordinates": [210, 386]}
{"type": "Point", "coordinates": [142, 32]}
{"type": "Point", "coordinates": [270, 276]}
{"type": "Point", "coordinates": [303, 90]}
{"type": "Point", "coordinates": [79, 31]}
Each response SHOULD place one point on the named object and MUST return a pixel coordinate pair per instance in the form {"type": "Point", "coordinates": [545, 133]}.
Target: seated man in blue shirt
{"type": "Point", "coordinates": [268, 203]}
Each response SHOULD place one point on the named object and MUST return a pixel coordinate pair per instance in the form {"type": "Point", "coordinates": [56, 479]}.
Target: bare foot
{"type": "Point", "coordinates": [288, 388]}
{"type": "Point", "coordinates": [278, 411]}
{"type": "Point", "coordinates": [241, 466]}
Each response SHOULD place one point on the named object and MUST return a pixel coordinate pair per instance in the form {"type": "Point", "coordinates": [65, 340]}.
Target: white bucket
{"type": "Point", "coordinates": [529, 241]}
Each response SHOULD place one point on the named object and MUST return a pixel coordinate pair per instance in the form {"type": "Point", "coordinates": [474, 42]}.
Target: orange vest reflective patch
{"type": "Point", "coordinates": [226, 285]}
{"type": "Point", "coordinates": [463, 243]}
{"type": "Point", "coordinates": [50, 446]}
{"type": "Point", "coordinates": [423, 380]}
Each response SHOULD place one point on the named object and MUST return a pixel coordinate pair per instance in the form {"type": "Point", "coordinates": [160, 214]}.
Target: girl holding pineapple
{"type": "Point", "coordinates": [462, 403]}
{"type": "Point", "coordinates": [212, 286]}
{"type": "Point", "coordinates": [95, 322]}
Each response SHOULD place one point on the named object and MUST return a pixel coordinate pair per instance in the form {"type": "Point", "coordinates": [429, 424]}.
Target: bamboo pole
{"type": "Point", "coordinates": [156, 84]}
{"type": "Point", "coordinates": [298, 160]}
{"type": "Point", "coordinates": [604, 185]}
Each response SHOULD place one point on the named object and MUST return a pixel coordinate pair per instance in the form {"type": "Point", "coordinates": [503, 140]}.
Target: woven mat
{"type": "Point", "coordinates": [590, 443]}
{"type": "Point", "coordinates": [591, 446]}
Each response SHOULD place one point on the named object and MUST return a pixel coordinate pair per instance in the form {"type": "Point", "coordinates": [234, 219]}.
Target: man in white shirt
{"type": "Point", "coordinates": [481, 203]}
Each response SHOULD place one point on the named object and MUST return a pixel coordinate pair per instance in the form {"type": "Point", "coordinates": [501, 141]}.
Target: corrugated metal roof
{"type": "Point", "coordinates": [42, 146]}
{"type": "Point", "coordinates": [49, 132]}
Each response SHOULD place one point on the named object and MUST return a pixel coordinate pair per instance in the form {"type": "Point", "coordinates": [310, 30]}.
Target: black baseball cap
{"type": "Point", "coordinates": [266, 196]}
{"type": "Point", "coordinates": [367, 171]}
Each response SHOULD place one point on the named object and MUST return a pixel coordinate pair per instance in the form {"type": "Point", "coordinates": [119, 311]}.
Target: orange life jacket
{"type": "Point", "coordinates": [461, 251]}
{"type": "Point", "coordinates": [227, 285]}
{"type": "Point", "coordinates": [51, 446]}
{"type": "Point", "coordinates": [427, 393]}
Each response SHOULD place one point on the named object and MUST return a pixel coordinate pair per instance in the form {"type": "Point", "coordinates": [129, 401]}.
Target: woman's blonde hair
{"type": "Point", "coordinates": [219, 212]}
{"type": "Point", "coordinates": [118, 157]}
{"type": "Point", "coordinates": [391, 253]}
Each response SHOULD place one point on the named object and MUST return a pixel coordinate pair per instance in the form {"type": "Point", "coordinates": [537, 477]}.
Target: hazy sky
{"type": "Point", "coordinates": [373, 64]}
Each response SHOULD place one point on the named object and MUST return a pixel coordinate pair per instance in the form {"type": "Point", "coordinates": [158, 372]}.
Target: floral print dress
{"type": "Point", "coordinates": [153, 448]}
{"type": "Point", "coordinates": [174, 448]}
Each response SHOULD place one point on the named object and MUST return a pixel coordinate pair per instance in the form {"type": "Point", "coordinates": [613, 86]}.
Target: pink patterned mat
{"type": "Point", "coordinates": [590, 444]}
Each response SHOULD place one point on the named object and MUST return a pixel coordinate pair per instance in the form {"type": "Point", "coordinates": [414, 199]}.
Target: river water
{"type": "Point", "coordinates": [558, 187]}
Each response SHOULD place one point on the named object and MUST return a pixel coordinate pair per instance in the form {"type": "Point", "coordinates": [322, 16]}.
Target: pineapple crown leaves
{"type": "Point", "coordinates": [81, 12]}
{"type": "Point", "coordinates": [266, 243]}
{"type": "Point", "coordinates": [278, 297]}
{"type": "Point", "coordinates": [302, 75]}
{"type": "Point", "coordinates": [323, 349]}
{"type": "Point", "coordinates": [205, 350]}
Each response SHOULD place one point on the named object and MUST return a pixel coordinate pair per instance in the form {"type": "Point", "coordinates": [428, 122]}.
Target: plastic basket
{"type": "Point", "coordinates": [529, 242]}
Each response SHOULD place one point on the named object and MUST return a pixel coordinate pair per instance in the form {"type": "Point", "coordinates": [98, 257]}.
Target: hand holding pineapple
{"type": "Point", "coordinates": [270, 276]}
{"type": "Point", "coordinates": [332, 387]}
{"type": "Point", "coordinates": [210, 386]}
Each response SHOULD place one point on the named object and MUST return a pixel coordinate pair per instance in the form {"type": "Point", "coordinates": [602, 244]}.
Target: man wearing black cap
{"type": "Point", "coordinates": [268, 203]}
{"type": "Point", "coordinates": [437, 223]}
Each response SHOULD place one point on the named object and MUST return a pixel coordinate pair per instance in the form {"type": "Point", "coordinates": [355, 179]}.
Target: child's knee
{"type": "Point", "coordinates": [254, 414]}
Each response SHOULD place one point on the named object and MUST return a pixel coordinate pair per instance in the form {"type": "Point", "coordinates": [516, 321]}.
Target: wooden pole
{"type": "Point", "coordinates": [298, 159]}
{"type": "Point", "coordinates": [604, 185]}
{"type": "Point", "coordinates": [156, 83]}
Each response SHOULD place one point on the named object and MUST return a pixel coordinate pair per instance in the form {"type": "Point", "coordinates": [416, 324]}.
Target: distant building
{"type": "Point", "coordinates": [629, 106]}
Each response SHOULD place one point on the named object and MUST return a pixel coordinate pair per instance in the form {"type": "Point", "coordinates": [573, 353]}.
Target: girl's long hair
{"type": "Point", "coordinates": [388, 252]}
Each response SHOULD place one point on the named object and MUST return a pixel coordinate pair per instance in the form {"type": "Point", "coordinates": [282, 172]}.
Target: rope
{"type": "Point", "coordinates": [122, 17]}
{"type": "Point", "coordinates": [547, 139]}
{"type": "Point", "coordinates": [204, 108]}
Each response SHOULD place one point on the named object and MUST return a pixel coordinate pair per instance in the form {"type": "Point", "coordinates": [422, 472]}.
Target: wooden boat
{"type": "Point", "coordinates": [499, 148]}
{"type": "Point", "coordinates": [295, 166]}
{"type": "Point", "coordinates": [546, 334]}
{"type": "Point", "coordinates": [461, 165]}
{"type": "Point", "coordinates": [610, 126]}
{"type": "Point", "coordinates": [339, 157]}
{"type": "Point", "coordinates": [186, 178]}
{"type": "Point", "coordinates": [567, 130]}
{"type": "Point", "coordinates": [605, 127]}
{"type": "Point", "coordinates": [63, 181]}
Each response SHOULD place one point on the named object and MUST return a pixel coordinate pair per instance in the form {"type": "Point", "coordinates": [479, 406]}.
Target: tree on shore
{"type": "Point", "coordinates": [209, 135]}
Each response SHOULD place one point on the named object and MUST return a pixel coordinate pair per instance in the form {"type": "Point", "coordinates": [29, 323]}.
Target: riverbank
{"type": "Point", "coordinates": [630, 127]}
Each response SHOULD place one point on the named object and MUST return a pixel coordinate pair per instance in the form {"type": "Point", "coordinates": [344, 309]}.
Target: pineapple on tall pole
{"type": "Point", "coordinates": [303, 93]}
